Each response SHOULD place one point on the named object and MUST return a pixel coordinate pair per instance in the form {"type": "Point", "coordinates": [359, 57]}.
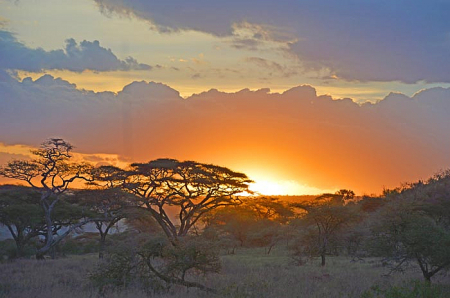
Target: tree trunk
{"type": "Point", "coordinates": [324, 250]}
{"type": "Point", "coordinates": [48, 208]}
{"type": "Point", "coordinates": [102, 246]}
{"type": "Point", "coordinates": [20, 248]}
{"type": "Point", "coordinates": [270, 248]}
{"type": "Point", "coordinates": [48, 237]}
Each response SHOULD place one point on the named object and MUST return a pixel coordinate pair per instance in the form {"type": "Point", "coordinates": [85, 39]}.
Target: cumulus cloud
{"type": "Point", "coordinates": [355, 40]}
{"type": "Point", "coordinates": [75, 57]}
{"type": "Point", "coordinates": [316, 140]}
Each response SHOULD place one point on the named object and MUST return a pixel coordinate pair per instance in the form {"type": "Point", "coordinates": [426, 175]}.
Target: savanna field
{"type": "Point", "coordinates": [202, 149]}
{"type": "Point", "coordinates": [248, 273]}
{"type": "Point", "coordinates": [170, 228]}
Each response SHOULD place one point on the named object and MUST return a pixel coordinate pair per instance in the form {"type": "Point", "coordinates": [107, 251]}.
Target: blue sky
{"type": "Point", "coordinates": [358, 49]}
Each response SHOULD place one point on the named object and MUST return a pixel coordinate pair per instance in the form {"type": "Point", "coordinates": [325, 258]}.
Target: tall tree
{"type": "Point", "coordinates": [51, 173]}
{"type": "Point", "coordinates": [190, 188]}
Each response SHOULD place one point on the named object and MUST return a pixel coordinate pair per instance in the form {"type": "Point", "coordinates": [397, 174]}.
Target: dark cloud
{"type": "Point", "coordinates": [369, 40]}
{"type": "Point", "coordinates": [75, 57]}
{"type": "Point", "coordinates": [314, 139]}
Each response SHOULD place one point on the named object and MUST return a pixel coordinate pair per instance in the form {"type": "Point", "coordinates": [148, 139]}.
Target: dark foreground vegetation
{"type": "Point", "coordinates": [169, 228]}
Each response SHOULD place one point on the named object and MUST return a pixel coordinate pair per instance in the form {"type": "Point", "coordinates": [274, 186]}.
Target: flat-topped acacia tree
{"type": "Point", "coordinates": [51, 173]}
{"type": "Point", "coordinates": [190, 187]}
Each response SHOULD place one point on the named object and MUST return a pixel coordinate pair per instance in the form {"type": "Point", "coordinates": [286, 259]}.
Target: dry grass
{"type": "Point", "coordinates": [249, 273]}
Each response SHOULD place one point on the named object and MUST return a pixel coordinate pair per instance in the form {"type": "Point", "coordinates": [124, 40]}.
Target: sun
{"type": "Point", "coordinates": [270, 185]}
{"type": "Point", "coordinates": [269, 188]}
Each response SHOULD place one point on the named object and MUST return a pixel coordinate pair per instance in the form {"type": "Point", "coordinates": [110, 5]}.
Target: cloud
{"type": "Point", "coordinates": [274, 67]}
{"type": "Point", "coordinates": [296, 135]}
{"type": "Point", "coordinates": [356, 40]}
{"type": "Point", "coordinates": [75, 57]}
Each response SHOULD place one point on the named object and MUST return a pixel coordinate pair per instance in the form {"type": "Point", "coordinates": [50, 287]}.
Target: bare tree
{"type": "Point", "coordinates": [51, 173]}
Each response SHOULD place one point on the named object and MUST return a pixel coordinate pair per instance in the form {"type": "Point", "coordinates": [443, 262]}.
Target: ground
{"type": "Point", "coordinates": [248, 273]}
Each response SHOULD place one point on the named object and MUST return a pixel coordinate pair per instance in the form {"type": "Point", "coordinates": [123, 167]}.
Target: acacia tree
{"type": "Point", "coordinates": [51, 174]}
{"type": "Point", "coordinates": [107, 207]}
{"type": "Point", "coordinates": [258, 220]}
{"type": "Point", "coordinates": [21, 214]}
{"type": "Point", "coordinates": [177, 195]}
{"type": "Point", "coordinates": [327, 215]}
{"type": "Point", "coordinates": [191, 188]}
{"type": "Point", "coordinates": [414, 226]}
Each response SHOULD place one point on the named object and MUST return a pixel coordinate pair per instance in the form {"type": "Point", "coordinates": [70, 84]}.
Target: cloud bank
{"type": "Point", "coordinates": [296, 135]}
{"type": "Point", "coordinates": [75, 57]}
{"type": "Point", "coordinates": [371, 40]}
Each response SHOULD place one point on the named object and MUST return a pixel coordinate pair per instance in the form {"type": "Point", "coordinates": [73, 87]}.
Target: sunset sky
{"type": "Point", "coordinates": [303, 96]}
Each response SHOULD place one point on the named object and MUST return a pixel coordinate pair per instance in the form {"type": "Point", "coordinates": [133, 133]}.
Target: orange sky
{"type": "Point", "coordinates": [297, 141]}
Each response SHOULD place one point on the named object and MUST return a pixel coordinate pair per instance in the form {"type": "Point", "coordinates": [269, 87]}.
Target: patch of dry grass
{"type": "Point", "coordinates": [248, 273]}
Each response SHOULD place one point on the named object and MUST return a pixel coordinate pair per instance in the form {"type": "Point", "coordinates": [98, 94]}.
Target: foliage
{"type": "Point", "coordinates": [192, 188]}
{"type": "Point", "coordinates": [21, 213]}
{"type": "Point", "coordinates": [157, 265]}
{"type": "Point", "coordinates": [412, 289]}
{"type": "Point", "coordinates": [51, 173]}
{"type": "Point", "coordinates": [414, 226]}
{"type": "Point", "coordinates": [257, 221]}
{"type": "Point", "coordinates": [106, 207]}
{"type": "Point", "coordinates": [323, 219]}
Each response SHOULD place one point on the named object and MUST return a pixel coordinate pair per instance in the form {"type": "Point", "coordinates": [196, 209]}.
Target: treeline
{"type": "Point", "coordinates": [181, 215]}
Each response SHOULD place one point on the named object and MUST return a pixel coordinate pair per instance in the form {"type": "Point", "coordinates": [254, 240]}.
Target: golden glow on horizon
{"type": "Point", "coordinates": [270, 186]}
{"type": "Point", "coordinates": [264, 184]}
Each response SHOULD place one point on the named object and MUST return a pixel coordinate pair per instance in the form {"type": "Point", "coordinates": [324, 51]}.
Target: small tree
{"type": "Point", "coordinates": [106, 207]}
{"type": "Point", "coordinates": [21, 213]}
{"type": "Point", "coordinates": [327, 215]}
{"type": "Point", "coordinates": [51, 174]}
{"type": "Point", "coordinates": [257, 220]}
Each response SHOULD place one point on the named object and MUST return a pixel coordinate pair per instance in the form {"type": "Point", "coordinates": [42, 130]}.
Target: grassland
{"type": "Point", "coordinates": [248, 273]}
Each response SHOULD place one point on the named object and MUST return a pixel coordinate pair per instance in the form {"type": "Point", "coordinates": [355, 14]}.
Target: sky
{"type": "Point", "coordinates": [303, 96]}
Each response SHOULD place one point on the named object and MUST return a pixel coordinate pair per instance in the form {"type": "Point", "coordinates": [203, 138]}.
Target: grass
{"type": "Point", "coordinates": [248, 273]}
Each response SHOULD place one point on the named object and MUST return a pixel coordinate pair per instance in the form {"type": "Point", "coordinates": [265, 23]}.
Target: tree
{"type": "Point", "coordinates": [177, 195]}
{"type": "Point", "coordinates": [21, 213]}
{"type": "Point", "coordinates": [51, 174]}
{"type": "Point", "coordinates": [414, 226]}
{"type": "Point", "coordinates": [190, 188]}
{"type": "Point", "coordinates": [328, 215]}
{"type": "Point", "coordinates": [257, 220]}
{"type": "Point", "coordinates": [234, 225]}
{"type": "Point", "coordinates": [107, 208]}
{"type": "Point", "coordinates": [270, 208]}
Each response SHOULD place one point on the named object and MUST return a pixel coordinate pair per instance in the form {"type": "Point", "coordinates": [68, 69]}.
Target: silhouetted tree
{"type": "Point", "coordinates": [257, 220]}
{"type": "Point", "coordinates": [414, 225]}
{"type": "Point", "coordinates": [106, 207]}
{"type": "Point", "coordinates": [191, 188]}
{"type": "Point", "coordinates": [22, 214]}
{"type": "Point", "coordinates": [51, 174]}
{"type": "Point", "coordinates": [327, 215]}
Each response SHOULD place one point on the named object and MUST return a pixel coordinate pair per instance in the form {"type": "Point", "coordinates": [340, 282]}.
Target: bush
{"type": "Point", "coordinates": [412, 289]}
{"type": "Point", "coordinates": [84, 244]}
{"type": "Point", "coordinates": [157, 265]}
{"type": "Point", "coordinates": [8, 250]}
